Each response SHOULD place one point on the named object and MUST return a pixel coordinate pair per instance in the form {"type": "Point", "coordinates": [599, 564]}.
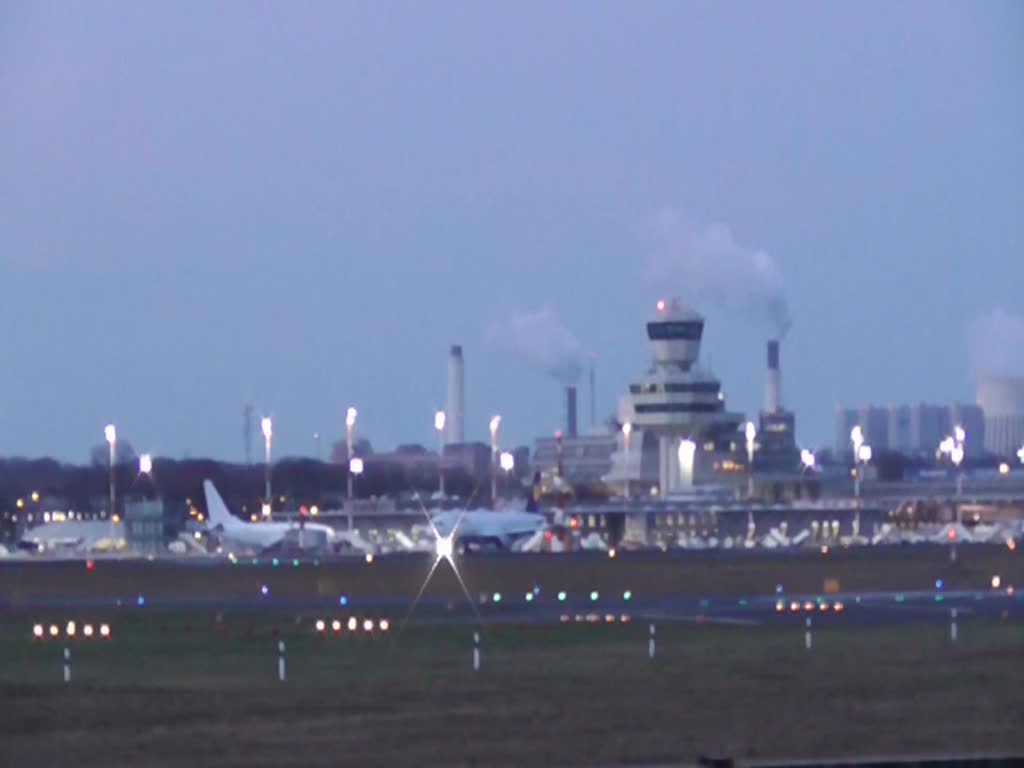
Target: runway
{"type": "Point", "coordinates": [843, 609]}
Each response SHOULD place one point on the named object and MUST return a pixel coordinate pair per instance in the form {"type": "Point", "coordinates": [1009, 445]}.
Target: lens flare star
{"type": "Point", "coordinates": [444, 550]}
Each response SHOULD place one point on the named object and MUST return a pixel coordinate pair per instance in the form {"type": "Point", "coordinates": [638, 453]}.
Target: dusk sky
{"type": "Point", "coordinates": [302, 205]}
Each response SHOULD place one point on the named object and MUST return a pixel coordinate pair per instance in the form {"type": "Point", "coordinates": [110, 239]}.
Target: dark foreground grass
{"type": "Point", "coordinates": [156, 694]}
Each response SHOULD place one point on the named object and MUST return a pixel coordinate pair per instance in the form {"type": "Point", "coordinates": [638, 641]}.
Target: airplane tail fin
{"type": "Point", "coordinates": [216, 508]}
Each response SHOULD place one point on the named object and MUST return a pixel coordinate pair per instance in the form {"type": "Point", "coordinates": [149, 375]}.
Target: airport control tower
{"type": "Point", "coordinates": [679, 428]}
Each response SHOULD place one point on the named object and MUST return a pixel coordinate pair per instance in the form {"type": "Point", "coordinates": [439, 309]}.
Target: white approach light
{"type": "Point", "coordinates": [350, 417]}
{"type": "Point", "coordinates": [807, 458]}
{"type": "Point", "coordinates": [1020, 454]}
{"type": "Point", "coordinates": [957, 454]}
{"type": "Point", "coordinates": [507, 461]}
{"type": "Point", "coordinates": [268, 427]}
{"type": "Point", "coordinates": [443, 547]}
{"type": "Point", "coordinates": [145, 464]}
{"type": "Point", "coordinates": [857, 436]}
{"type": "Point", "coordinates": [110, 433]}
{"type": "Point", "coordinates": [495, 423]}
{"type": "Point", "coordinates": [959, 433]}
{"type": "Point", "coordinates": [687, 449]}
{"type": "Point", "coordinates": [864, 453]}
{"type": "Point", "coordinates": [439, 419]}
{"type": "Point", "coordinates": [355, 465]}
{"type": "Point", "coordinates": [751, 432]}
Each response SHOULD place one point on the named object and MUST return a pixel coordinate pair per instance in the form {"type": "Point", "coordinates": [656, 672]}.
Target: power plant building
{"type": "Point", "coordinates": [776, 435]}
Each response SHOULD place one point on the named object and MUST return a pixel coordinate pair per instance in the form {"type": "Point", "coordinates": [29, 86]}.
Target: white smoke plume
{"type": "Point", "coordinates": [997, 344]}
{"type": "Point", "coordinates": [540, 340]}
{"type": "Point", "coordinates": [708, 267]}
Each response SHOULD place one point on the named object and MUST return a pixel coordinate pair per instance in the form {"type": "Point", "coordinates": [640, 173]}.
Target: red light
{"type": "Point", "coordinates": [574, 523]}
{"type": "Point", "coordinates": [661, 305]}
{"type": "Point", "coordinates": [303, 512]}
{"type": "Point", "coordinates": [952, 534]}
{"type": "Point", "coordinates": [547, 535]}
{"type": "Point", "coordinates": [558, 436]}
{"type": "Point", "coordinates": [89, 565]}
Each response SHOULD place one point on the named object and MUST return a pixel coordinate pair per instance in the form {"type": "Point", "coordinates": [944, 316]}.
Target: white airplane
{"type": "Point", "coordinates": [265, 535]}
{"type": "Point", "coordinates": [500, 530]}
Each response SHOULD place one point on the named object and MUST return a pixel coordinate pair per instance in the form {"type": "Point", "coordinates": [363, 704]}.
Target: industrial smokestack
{"type": "Point", "coordinates": [455, 411]}
{"type": "Point", "coordinates": [247, 432]}
{"type": "Point", "coordinates": [570, 411]}
{"type": "Point", "coordinates": [773, 387]}
{"type": "Point", "coordinates": [593, 391]}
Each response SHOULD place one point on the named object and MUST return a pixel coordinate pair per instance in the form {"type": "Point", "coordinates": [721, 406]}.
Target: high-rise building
{"type": "Point", "coordinates": [914, 430]}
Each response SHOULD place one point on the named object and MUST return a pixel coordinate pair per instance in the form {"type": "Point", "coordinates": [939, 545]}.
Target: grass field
{"type": "Point", "coordinates": [187, 689]}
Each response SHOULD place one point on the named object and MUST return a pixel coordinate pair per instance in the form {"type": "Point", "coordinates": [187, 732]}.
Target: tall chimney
{"type": "Point", "coordinates": [456, 408]}
{"type": "Point", "coordinates": [570, 410]}
{"type": "Point", "coordinates": [593, 392]}
{"type": "Point", "coordinates": [773, 387]}
{"type": "Point", "coordinates": [247, 432]}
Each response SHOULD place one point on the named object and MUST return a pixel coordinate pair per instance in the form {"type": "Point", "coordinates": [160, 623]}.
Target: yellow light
{"type": "Point", "coordinates": [611, 553]}
{"type": "Point", "coordinates": [1004, 468]}
{"type": "Point", "coordinates": [369, 558]}
{"type": "Point", "coordinates": [837, 607]}
{"type": "Point", "coordinates": [1011, 544]}
{"type": "Point", "coordinates": [54, 630]}
{"type": "Point", "coordinates": [20, 503]}
{"type": "Point", "coordinates": [353, 624]}
{"type": "Point", "coordinates": [314, 510]}
{"type": "Point", "coordinates": [823, 607]}
{"type": "Point", "coordinates": [87, 630]}
{"type": "Point", "coordinates": [253, 517]}
{"type": "Point", "coordinates": [116, 518]}
{"type": "Point", "coordinates": [384, 625]}
{"type": "Point", "coordinates": [37, 630]}
{"type": "Point", "coordinates": [794, 606]}
{"type": "Point", "coordinates": [368, 625]}
{"type": "Point", "coordinates": [35, 495]}
{"type": "Point", "coordinates": [70, 629]}
{"type": "Point", "coordinates": [824, 549]}
{"type": "Point", "coordinates": [320, 625]}
{"type": "Point", "coordinates": [780, 606]}
{"type": "Point", "coordinates": [996, 581]}
{"type": "Point", "coordinates": [104, 630]}
{"type": "Point", "coordinates": [808, 606]}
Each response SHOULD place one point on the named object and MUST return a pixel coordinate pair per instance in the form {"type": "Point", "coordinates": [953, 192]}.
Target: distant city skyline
{"type": "Point", "coordinates": [203, 206]}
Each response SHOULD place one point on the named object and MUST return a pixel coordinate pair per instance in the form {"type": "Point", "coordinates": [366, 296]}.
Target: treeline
{"type": "Point", "coordinates": [299, 482]}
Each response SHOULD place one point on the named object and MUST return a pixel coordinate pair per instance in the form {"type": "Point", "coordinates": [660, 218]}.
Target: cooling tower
{"type": "Point", "coordinates": [1002, 400]}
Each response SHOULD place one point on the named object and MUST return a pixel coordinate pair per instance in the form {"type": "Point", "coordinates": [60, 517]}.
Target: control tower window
{"type": "Point", "coordinates": [675, 330]}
